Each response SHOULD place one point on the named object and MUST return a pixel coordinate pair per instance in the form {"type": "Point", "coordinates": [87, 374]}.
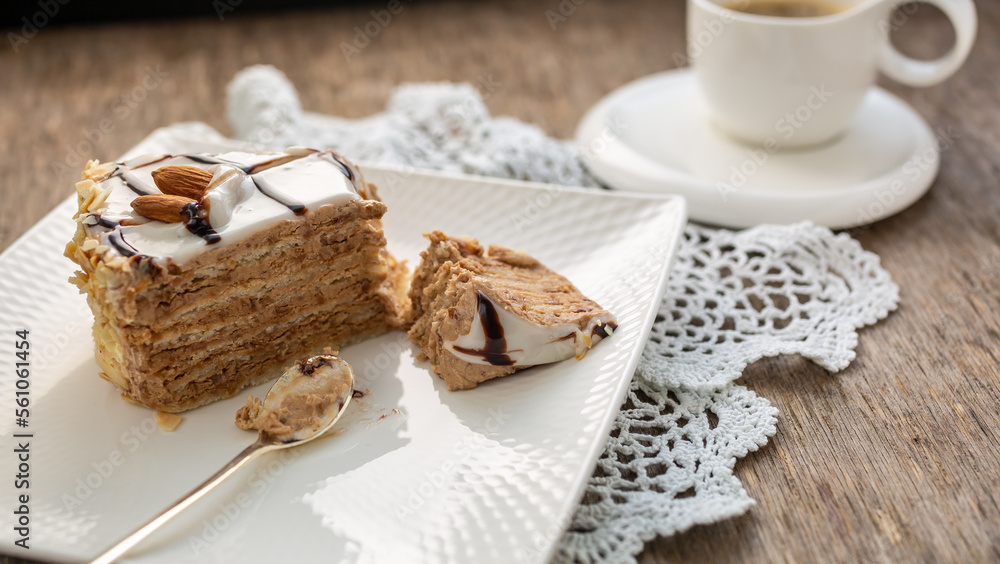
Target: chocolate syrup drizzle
{"type": "Point", "coordinates": [94, 220]}
{"type": "Point", "coordinates": [154, 161]}
{"type": "Point", "coordinates": [140, 188]}
{"type": "Point", "coordinates": [298, 208]}
{"type": "Point", "coordinates": [205, 159]}
{"type": "Point", "coordinates": [117, 240]}
{"type": "Point", "coordinates": [197, 223]}
{"type": "Point", "coordinates": [494, 350]}
{"type": "Point", "coordinates": [348, 170]}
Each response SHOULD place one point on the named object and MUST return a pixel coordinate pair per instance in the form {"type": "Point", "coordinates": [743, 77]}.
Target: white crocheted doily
{"type": "Point", "coordinates": [733, 298]}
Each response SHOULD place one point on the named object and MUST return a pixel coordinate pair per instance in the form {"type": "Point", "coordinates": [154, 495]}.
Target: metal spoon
{"type": "Point", "coordinates": [306, 376]}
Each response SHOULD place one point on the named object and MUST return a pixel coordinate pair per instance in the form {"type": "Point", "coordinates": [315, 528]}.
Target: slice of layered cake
{"type": "Point", "coordinates": [482, 314]}
{"type": "Point", "coordinates": [209, 273]}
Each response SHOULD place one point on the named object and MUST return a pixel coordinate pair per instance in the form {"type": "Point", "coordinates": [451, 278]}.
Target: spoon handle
{"type": "Point", "coordinates": [194, 495]}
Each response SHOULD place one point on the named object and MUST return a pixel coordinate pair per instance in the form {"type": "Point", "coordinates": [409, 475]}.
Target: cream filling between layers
{"type": "Point", "coordinates": [501, 338]}
{"type": "Point", "coordinates": [239, 205]}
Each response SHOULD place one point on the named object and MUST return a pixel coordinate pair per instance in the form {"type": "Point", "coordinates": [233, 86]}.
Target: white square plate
{"type": "Point", "coordinates": [414, 473]}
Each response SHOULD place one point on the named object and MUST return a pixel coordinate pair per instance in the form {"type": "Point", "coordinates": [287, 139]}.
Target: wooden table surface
{"type": "Point", "coordinates": [894, 459]}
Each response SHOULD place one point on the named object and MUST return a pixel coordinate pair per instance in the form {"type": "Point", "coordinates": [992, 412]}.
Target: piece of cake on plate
{"type": "Point", "coordinates": [485, 313]}
{"type": "Point", "coordinates": [209, 273]}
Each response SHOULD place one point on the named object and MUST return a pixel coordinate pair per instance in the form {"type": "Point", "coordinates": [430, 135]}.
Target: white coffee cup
{"type": "Point", "coordinates": [798, 81]}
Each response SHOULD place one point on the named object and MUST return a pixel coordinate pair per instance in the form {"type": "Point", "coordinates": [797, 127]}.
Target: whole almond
{"type": "Point", "coordinates": [188, 181]}
{"type": "Point", "coordinates": [167, 208]}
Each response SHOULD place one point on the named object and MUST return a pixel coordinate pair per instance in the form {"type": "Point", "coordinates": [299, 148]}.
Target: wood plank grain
{"type": "Point", "coordinates": [894, 459]}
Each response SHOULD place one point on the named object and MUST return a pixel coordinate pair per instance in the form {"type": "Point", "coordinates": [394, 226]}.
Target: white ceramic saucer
{"type": "Point", "coordinates": [655, 135]}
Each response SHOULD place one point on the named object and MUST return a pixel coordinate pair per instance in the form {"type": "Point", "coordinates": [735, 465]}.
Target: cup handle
{"type": "Point", "coordinates": [906, 70]}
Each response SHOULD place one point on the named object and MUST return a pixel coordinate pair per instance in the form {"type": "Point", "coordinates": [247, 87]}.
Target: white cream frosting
{"type": "Point", "coordinates": [237, 201]}
{"type": "Point", "coordinates": [528, 344]}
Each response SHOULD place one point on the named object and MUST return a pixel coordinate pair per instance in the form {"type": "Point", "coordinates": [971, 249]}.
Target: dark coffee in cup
{"type": "Point", "coordinates": [787, 8]}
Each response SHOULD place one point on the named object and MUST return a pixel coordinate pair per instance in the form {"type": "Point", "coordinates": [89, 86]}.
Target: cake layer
{"type": "Point", "coordinates": [250, 308]}
{"type": "Point", "coordinates": [163, 355]}
{"type": "Point", "coordinates": [270, 267]}
{"type": "Point", "coordinates": [195, 307]}
{"type": "Point", "coordinates": [227, 375]}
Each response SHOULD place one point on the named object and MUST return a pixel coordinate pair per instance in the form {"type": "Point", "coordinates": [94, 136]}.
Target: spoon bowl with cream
{"type": "Point", "coordinates": [305, 402]}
